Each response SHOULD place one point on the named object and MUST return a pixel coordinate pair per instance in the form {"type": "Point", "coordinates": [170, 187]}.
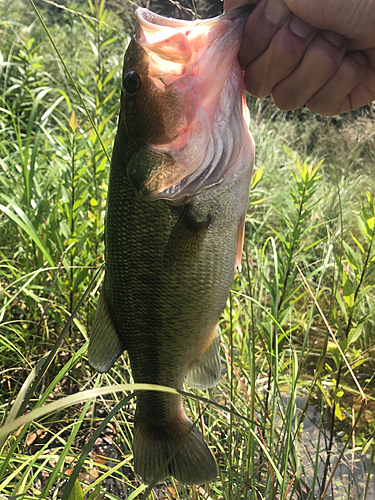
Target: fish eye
{"type": "Point", "coordinates": [132, 83]}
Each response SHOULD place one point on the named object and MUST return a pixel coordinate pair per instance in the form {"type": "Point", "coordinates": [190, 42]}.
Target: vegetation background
{"type": "Point", "coordinates": [294, 413]}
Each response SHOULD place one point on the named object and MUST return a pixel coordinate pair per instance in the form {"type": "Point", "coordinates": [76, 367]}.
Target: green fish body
{"type": "Point", "coordinates": [177, 198]}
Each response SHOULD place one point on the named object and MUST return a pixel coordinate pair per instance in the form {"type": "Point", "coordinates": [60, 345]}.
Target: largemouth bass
{"type": "Point", "coordinates": [177, 198]}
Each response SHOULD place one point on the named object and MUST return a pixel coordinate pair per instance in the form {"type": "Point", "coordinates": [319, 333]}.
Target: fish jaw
{"type": "Point", "coordinates": [192, 100]}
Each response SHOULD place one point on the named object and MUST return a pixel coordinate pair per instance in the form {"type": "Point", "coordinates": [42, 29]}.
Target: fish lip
{"type": "Point", "coordinates": [150, 20]}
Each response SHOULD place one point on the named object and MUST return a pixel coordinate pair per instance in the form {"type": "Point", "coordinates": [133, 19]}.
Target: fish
{"type": "Point", "coordinates": [177, 197]}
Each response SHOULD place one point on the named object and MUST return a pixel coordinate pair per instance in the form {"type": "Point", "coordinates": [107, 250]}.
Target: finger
{"type": "Point", "coordinates": [318, 65]}
{"type": "Point", "coordinates": [262, 24]}
{"type": "Point", "coordinates": [335, 96]}
{"type": "Point", "coordinates": [364, 91]}
{"type": "Point", "coordinates": [281, 57]}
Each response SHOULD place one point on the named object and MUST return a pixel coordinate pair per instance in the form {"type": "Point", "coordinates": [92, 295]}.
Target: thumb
{"type": "Point", "coordinates": [233, 4]}
{"type": "Point", "coordinates": [351, 18]}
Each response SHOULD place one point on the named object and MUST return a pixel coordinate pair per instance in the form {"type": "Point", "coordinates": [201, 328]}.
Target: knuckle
{"type": "Point", "coordinates": [290, 47]}
{"type": "Point", "coordinates": [256, 84]}
{"type": "Point", "coordinates": [258, 91]}
{"type": "Point", "coordinates": [338, 41]}
{"type": "Point", "coordinates": [285, 101]}
{"type": "Point", "coordinates": [325, 52]}
{"type": "Point", "coordinates": [323, 108]}
{"type": "Point", "coordinates": [353, 68]}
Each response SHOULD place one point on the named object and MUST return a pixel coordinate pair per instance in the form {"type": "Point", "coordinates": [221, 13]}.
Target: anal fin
{"type": "Point", "coordinates": [205, 372]}
{"type": "Point", "coordinates": [105, 346]}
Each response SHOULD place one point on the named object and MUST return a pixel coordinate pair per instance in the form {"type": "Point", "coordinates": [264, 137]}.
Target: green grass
{"type": "Point", "coordinates": [297, 333]}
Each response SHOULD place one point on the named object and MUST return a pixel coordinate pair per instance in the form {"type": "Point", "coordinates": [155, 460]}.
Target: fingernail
{"type": "Point", "coordinates": [360, 57]}
{"type": "Point", "coordinates": [335, 38]}
{"type": "Point", "coordinates": [300, 28]}
{"type": "Point", "coordinates": [275, 11]}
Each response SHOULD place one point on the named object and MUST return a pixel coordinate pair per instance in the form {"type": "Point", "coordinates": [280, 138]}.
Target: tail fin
{"type": "Point", "coordinates": [174, 450]}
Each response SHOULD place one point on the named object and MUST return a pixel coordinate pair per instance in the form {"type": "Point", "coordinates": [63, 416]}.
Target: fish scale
{"type": "Point", "coordinates": [170, 259]}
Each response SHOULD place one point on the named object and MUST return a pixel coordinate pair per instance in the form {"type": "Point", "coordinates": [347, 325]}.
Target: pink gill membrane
{"type": "Point", "coordinates": [200, 58]}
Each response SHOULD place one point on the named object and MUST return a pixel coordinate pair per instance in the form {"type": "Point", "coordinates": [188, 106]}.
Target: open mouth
{"type": "Point", "coordinates": [198, 59]}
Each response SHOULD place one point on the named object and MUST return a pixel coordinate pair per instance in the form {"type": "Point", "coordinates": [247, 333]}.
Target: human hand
{"type": "Point", "coordinates": [319, 53]}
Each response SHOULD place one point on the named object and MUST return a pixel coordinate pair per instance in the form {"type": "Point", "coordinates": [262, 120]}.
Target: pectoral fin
{"type": "Point", "coordinates": [187, 238]}
{"type": "Point", "coordinates": [105, 345]}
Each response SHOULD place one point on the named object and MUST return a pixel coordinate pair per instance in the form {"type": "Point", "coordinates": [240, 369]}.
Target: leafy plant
{"type": "Point", "coordinates": [300, 314]}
